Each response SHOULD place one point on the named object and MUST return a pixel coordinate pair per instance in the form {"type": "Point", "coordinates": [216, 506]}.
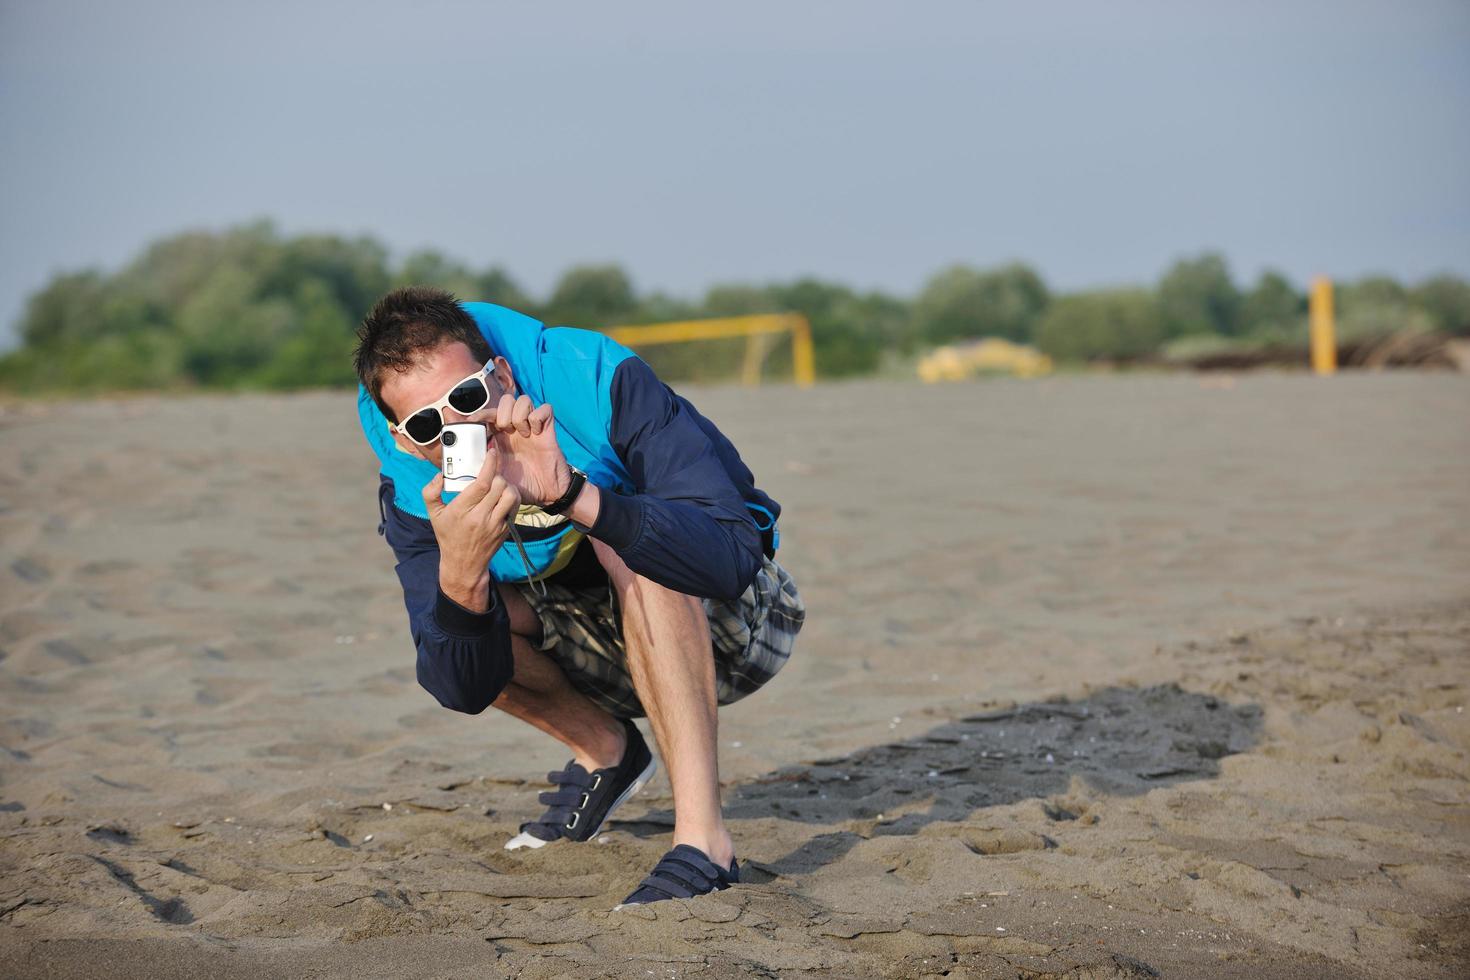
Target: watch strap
{"type": "Point", "coordinates": [579, 480]}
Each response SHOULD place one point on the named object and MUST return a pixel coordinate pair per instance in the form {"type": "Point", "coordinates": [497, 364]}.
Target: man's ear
{"type": "Point", "coordinates": [503, 375]}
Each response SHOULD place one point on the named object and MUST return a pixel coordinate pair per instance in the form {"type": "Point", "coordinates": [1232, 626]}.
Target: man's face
{"type": "Point", "coordinates": [432, 376]}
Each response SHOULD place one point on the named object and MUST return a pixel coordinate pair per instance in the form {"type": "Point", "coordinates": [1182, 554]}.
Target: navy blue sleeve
{"type": "Point", "coordinates": [464, 657]}
{"type": "Point", "coordinates": [687, 527]}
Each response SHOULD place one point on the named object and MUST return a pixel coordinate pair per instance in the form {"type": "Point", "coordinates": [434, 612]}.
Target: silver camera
{"type": "Point", "coordinates": [464, 454]}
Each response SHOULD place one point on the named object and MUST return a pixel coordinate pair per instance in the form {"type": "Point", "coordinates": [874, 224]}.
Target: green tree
{"type": "Point", "coordinates": [1375, 306]}
{"type": "Point", "coordinates": [1118, 323]}
{"type": "Point", "coordinates": [1379, 292]}
{"type": "Point", "coordinates": [317, 351]}
{"type": "Point", "coordinates": [241, 307]}
{"type": "Point", "coordinates": [495, 285]}
{"type": "Point", "coordinates": [887, 318]}
{"type": "Point", "coordinates": [65, 310]}
{"type": "Point", "coordinates": [429, 267]}
{"type": "Point", "coordinates": [592, 297]}
{"type": "Point", "coordinates": [662, 308]}
{"type": "Point", "coordinates": [355, 270]}
{"type": "Point", "coordinates": [174, 268]}
{"type": "Point", "coordinates": [963, 302]}
{"type": "Point", "coordinates": [1273, 304]}
{"type": "Point", "coordinates": [740, 299]}
{"type": "Point", "coordinates": [1446, 299]}
{"type": "Point", "coordinates": [228, 329]}
{"type": "Point", "coordinates": [1198, 296]}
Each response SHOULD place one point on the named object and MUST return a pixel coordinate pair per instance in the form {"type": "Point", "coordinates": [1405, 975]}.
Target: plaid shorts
{"type": "Point", "coordinates": [752, 636]}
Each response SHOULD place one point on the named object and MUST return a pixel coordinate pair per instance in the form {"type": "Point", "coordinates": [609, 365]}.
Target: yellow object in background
{"type": "Point", "coordinates": [1324, 339]}
{"type": "Point", "coordinates": [989, 355]}
{"type": "Point", "coordinates": [756, 329]}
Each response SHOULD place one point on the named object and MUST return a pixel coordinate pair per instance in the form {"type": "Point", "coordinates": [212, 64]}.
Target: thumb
{"type": "Point", "coordinates": [433, 495]}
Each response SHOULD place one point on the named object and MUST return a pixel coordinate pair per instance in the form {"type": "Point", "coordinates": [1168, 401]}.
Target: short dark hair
{"type": "Point", "coordinates": [404, 323]}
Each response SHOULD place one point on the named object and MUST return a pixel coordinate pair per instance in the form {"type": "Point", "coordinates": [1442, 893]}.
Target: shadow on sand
{"type": "Point", "coordinates": [1120, 741]}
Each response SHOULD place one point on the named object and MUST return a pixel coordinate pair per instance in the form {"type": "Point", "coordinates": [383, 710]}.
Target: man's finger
{"type": "Point", "coordinates": [505, 506]}
{"type": "Point", "coordinates": [476, 491]}
{"type": "Point", "coordinates": [519, 415]}
{"type": "Point", "coordinates": [433, 495]}
{"type": "Point", "coordinates": [490, 492]}
{"type": "Point", "coordinates": [540, 419]}
{"type": "Point", "coordinates": [503, 412]}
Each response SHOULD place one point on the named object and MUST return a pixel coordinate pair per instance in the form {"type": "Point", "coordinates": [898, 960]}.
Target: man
{"type": "Point", "coordinates": [613, 559]}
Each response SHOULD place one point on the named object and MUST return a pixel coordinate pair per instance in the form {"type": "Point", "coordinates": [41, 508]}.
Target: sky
{"type": "Point", "coordinates": [870, 143]}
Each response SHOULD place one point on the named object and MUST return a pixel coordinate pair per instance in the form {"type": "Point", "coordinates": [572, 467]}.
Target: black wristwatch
{"type": "Point", "coordinates": [579, 480]}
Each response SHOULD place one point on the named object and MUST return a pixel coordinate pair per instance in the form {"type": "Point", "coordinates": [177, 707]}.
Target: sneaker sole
{"type": "Point", "coordinates": [524, 839]}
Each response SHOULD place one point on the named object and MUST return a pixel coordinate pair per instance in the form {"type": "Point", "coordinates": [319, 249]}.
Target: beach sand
{"type": "Point", "coordinates": [1102, 677]}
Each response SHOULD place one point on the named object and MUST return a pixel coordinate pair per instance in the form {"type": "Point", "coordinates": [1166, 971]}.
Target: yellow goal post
{"type": "Point", "coordinates": [756, 329]}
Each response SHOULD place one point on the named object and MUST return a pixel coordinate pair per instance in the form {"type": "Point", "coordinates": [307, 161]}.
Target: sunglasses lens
{"type": "Point", "coordinates": [469, 397]}
{"type": "Point", "coordinates": [423, 427]}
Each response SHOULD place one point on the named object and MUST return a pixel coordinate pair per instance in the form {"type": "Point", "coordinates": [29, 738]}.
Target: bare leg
{"type": "Point", "coordinates": [666, 634]}
{"type": "Point", "coordinates": [540, 695]}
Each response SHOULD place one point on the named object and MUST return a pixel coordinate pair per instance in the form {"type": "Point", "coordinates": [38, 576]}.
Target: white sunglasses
{"type": "Point", "coordinates": [469, 395]}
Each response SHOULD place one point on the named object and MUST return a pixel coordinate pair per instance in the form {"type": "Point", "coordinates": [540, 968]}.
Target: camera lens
{"type": "Point", "coordinates": [448, 438]}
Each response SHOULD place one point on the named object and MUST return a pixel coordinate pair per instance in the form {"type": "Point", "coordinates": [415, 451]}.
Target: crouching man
{"type": "Point", "coordinates": [641, 580]}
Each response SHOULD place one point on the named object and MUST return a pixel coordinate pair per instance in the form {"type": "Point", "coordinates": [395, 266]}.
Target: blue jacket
{"type": "Point", "coordinates": [678, 504]}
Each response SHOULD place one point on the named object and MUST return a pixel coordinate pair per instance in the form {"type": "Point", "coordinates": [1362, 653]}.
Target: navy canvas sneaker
{"type": "Point", "coordinates": [684, 872]}
{"type": "Point", "coordinates": [584, 800]}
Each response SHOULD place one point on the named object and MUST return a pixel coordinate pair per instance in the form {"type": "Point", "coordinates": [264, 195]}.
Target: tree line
{"type": "Point", "coordinates": [250, 307]}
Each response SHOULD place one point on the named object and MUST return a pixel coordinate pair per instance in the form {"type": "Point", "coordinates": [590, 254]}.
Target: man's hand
{"type": "Point", "coordinates": [469, 529]}
{"type": "Point", "coordinates": [533, 461]}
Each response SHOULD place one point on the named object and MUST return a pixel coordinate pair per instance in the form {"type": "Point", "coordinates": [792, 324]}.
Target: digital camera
{"type": "Point", "coordinates": [464, 454]}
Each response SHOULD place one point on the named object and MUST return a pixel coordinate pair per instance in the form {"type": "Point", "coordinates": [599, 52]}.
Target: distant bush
{"type": "Point", "coordinates": [961, 302]}
{"type": "Point", "coordinates": [1376, 306]}
{"type": "Point", "coordinates": [1116, 323]}
{"type": "Point", "coordinates": [1197, 296]}
{"type": "Point", "coordinates": [251, 308]}
{"type": "Point", "coordinates": [1446, 299]}
{"type": "Point", "coordinates": [1272, 304]}
{"type": "Point", "coordinates": [591, 296]}
{"type": "Point", "coordinates": [242, 308]}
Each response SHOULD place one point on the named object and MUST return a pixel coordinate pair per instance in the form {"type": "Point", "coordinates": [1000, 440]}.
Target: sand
{"type": "Point", "coordinates": [1102, 677]}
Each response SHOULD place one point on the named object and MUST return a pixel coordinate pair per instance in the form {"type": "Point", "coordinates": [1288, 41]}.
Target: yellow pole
{"type": "Point", "coordinates": [1324, 342]}
{"type": "Point", "coordinates": [750, 368]}
{"type": "Point", "coordinates": [803, 358]}
{"type": "Point", "coordinates": [757, 345]}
